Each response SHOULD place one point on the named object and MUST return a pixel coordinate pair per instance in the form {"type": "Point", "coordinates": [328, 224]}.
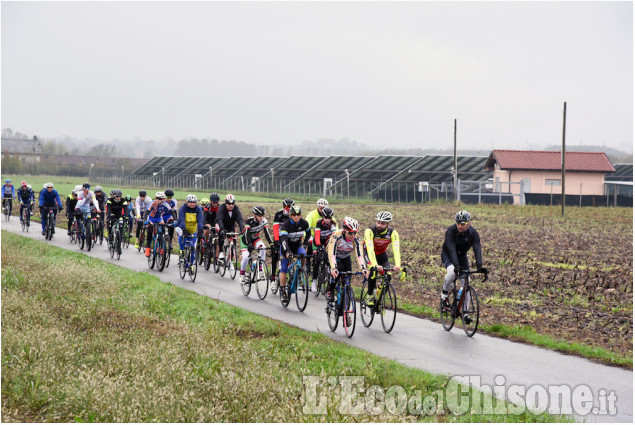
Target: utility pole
{"type": "Point", "coordinates": [456, 171]}
{"type": "Point", "coordinates": [564, 128]}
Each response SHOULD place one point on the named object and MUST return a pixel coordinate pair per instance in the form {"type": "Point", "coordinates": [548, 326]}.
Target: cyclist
{"type": "Point", "coordinates": [142, 203]}
{"type": "Point", "coordinates": [130, 213]}
{"type": "Point", "coordinates": [101, 201]}
{"type": "Point", "coordinates": [377, 239]}
{"type": "Point", "coordinates": [278, 219]}
{"type": "Point", "coordinates": [459, 238]}
{"type": "Point", "coordinates": [156, 213]}
{"type": "Point", "coordinates": [8, 193]}
{"type": "Point", "coordinates": [28, 186]}
{"type": "Point", "coordinates": [210, 209]}
{"type": "Point", "coordinates": [294, 238]}
{"type": "Point", "coordinates": [49, 199]}
{"type": "Point", "coordinates": [169, 194]}
{"type": "Point", "coordinates": [25, 197]}
{"type": "Point", "coordinates": [313, 218]}
{"type": "Point", "coordinates": [190, 221]}
{"type": "Point", "coordinates": [324, 228]}
{"type": "Point", "coordinates": [226, 218]}
{"type": "Point", "coordinates": [86, 199]}
{"type": "Point", "coordinates": [116, 207]}
{"type": "Point", "coordinates": [339, 249]}
{"type": "Point", "coordinates": [251, 238]}
{"type": "Point", "coordinates": [71, 203]}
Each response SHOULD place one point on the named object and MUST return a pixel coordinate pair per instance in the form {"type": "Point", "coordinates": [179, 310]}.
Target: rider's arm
{"type": "Point", "coordinates": [200, 219]}
{"type": "Point", "coordinates": [41, 201]}
{"type": "Point", "coordinates": [476, 246]}
{"type": "Point", "coordinates": [239, 218]}
{"type": "Point", "coordinates": [395, 248]}
{"type": "Point", "coordinates": [57, 199]}
{"type": "Point", "coordinates": [370, 247]}
{"type": "Point", "coordinates": [95, 203]}
{"type": "Point", "coordinates": [360, 256]}
{"type": "Point", "coordinates": [316, 238]}
{"type": "Point", "coordinates": [137, 207]}
{"type": "Point", "coordinates": [245, 234]}
{"type": "Point", "coordinates": [267, 235]}
{"type": "Point", "coordinates": [450, 242]}
{"type": "Point", "coordinates": [330, 249]}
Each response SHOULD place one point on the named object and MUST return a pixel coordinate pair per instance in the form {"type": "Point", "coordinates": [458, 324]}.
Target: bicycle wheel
{"type": "Point", "coordinates": [200, 254]}
{"type": "Point", "coordinates": [367, 313]}
{"type": "Point", "coordinates": [447, 316]}
{"type": "Point", "coordinates": [73, 232]}
{"type": "Point", "coordinates": [111, 247]}
{"type": "Point", "coordinates": [349, 316]}
{"type": "Point", "coordinates": [183, 264]}
{"type": "Point", "coordinates": [284, 300]}
{"type": "Point", "coordinates": [81, 237]}
{"type": "Point", "coordinates": [388, 305]}
{"type": "Point", "coordinates": [23, 220]}
{"type": "Point", "coordinates": [194, 266]}
{"type": "Point", "coordinates": [223, 263]}
{"type": "Point", "coordinates": [235, 262]}
{"type": "Point", "coordinates": [246, 286]}
{"type": "Point", "coordinates": [470, 312]}
{"type": "Point", "coordinates": [302, 289]}
{"type": "Point", "coordinates": [118, 244]}
{"type": "Point", "coordinates": [142, 238]}
{"type": "Point", "coordinates": [207, 257]}
{"type": "Point", "coordinates": [100, 232]}
{"type": "Point", "coordinates": [161, 253]}
{"type": "Point", "coordinates": [262, 282]}
{"type": "Point", "coordinates": [152, 258]}
{"type": "Point", "coordinates": [168, 255]}
{"type": "Point", "coordinates": [332, 315]}
{"type": "Point", "coordinates": [89, 241]}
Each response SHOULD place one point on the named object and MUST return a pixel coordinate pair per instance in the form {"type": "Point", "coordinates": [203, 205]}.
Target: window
{"type": "Point", "coordinates": [552, 182]}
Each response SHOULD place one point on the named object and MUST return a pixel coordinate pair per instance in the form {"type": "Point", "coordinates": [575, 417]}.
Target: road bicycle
{"type": "Point", "coordinates": [463, 303]}
{"type": "Point", "coordinates": [6, 208]}
{"type": "Point", "coordinates": [210, 255]}
{"type": "Point", "coordinates": [343, 304]}
{"type": "Point", "coordinates": [115, 240]}
{"type": "Point", "coordinates": [85, 233]}
{"type": "Point", "coordinates": [188, 263]}
{"type": "Point", "coordinates": [385, 303]}
{"type": "Point", "coordinates": [25, 217]}
{"type": "Point", "coordinates": [49, 228]}
{"type": "Point", "coordinates": [158, 247]}
{"type": "Point", "coordinates": [98, 227]}
{"type": "Point", "coordinates": [142, 234]}
{"type": "Point", "coordinates": [231, 260]}
{"type": "Point", "coordinates": [258, 274]}
{"type": "Point", "coordinates": [324, 271]}
{"type": "Point", "coordinates": [297, 283]}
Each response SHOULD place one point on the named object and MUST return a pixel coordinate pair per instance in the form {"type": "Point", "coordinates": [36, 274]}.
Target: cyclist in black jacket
{"type": "Point", "coordinates": [25, 197]}
{"type": "Point", "coordinates": [459, 238]}
{"type": "Point", "coordinates": [279, 218]}
{"type": "Point", "coordinates": [226, 218]}
{"type": "Point", "coordinates": [294, 238]}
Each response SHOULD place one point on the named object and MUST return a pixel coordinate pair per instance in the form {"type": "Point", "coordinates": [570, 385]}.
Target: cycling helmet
{"type": "Point", "coordinates": [322, 202]}
{"type": "Point", "coordinates": [86, 185]}
{"type": "Point", "coordinates": [258, 210]}
{"type": "Point", "coordinates": [47, 185]}
{"type": "Point", "coordinates": [462, 216]}
{"type": "Point", "coordinates": [214, 197]}
{"type": "Point", "coordinates": [327, 212]}
{"type": "Point", "coordinates": [296, 210]}
{"type": "Point", "coordinates": [288, 202]}
{"type": "Point", "coordinates": [384, 216]}
{"type": "Point", "coordinates": [7, 181]}
{"type": "Point", "coordinates": [160, 195]}
{"type": "Point", "coordinates": [28, 186]}
{"type": "Point", "coordinates": [143, 193]}
{"type": "Point", "coordinates": [169, 192]}
{"type": "Point", "coordinates": [204, 201]}
{"type": "Point", "coordinates": [191, 198]}
{"type": "Point", "coordinates": [117, 192]}
{"type": "Point", "coordinates": [77, 188]}
{"type": "Point", "coordinates": [350, 224]}
{"type": "Point", "coordinates": [112, 192]}
{"type": "Point", "coordinates": [128, 198]}
{"type": "Point", "coordinates": [97, 189]}
{"type": "Point", "coordinates": [229, 199]}
{"type": "Point", "coordinates": [23, 183]}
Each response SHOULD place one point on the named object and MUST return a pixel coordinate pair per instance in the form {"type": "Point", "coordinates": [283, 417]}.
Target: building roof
{"type": "Point", "coordinates": [28, 146]}
{"type": "Point", "coordinates": [550, 161]}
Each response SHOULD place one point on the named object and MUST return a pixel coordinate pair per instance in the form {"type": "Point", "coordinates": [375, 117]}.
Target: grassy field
{"type": "Point", "coordinates": [87, 341]}
{"type": "Point", "coordinates": [565, 283]}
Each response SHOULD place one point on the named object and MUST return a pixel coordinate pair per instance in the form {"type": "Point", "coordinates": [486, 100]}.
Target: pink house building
{"type": "Point", "coordinates": [521, 172]}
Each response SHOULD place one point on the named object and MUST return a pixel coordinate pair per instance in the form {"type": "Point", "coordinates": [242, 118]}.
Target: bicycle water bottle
{"type": "Point", "coordinates": [460, 292]}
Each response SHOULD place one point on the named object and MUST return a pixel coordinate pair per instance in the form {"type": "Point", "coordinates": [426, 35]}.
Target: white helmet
{"type": "Point", "coordinates": [384, 216]}
{"type": "Point", "coordinates": [350, 224]}
{"type": "Point", "coordinates": [322, 202]}
{"type": "Point", "coordinates": [230, 199]}
{"type": "Point", "coordinates": [28, 186]}
{"type": "Point", "coordinates": [47, 185]}
{"type": "Point", "coordinates": [78, 188]}
{"type": "Point", "coordinates": [160, 195]}
{"type": "Point", "coordinates": [191, 198]}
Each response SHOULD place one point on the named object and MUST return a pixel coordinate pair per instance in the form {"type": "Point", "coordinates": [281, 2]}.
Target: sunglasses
{"type": "Point", "coordinates": [351, 233]}
{"type": "Point", "coordinates": [461, 223]}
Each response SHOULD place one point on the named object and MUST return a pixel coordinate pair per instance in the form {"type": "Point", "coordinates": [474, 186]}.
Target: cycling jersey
{"type": "Point", "coordinates": [293, 234]}
{"type": "Point", "coordinates": [116, 209]}
{"type": "Point", "coordinates": [323, 232]}
{"type": "Point", "coordinates": [8, 191]}
{"type": "Point", "coordinates": [84, 200]}
{"type": "Point", "coordinates": [227, 220]}
{"type": "Point", "coordinates": [101, 200]}
{"type": "Point", "coordinates": [313, 218]}
{"type": "Point", "coordinates": [190, 219]}
{"type": "Point", "coordinates": [252, 230]}
{"type": "Point", "coordinates": [376, 244]}
{"type": "Point", "coordinates": [279, 218]}
{"type": "Point", "coordinates": [339, 248]}
{"type": "Point", "coordinates": [142, 205]}
{"type": "Point", "coordinates": [26, 196]}
{"type": "Point", "coordinates": [209, 215]}
{"type": "Point", "coordinates": [50, 199]}
{"type": "Point", "coordinates": [457, 245]}
{"type": "Point", "coordinates": [158, 210]}
{"type": "Point", "coordinates": [71, 203]}
{"type": "Point", "coordinates": [172, 203]}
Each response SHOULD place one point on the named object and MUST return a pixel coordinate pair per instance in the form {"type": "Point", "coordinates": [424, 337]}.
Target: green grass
{"type": "Point", "coordinates": [87, 341]}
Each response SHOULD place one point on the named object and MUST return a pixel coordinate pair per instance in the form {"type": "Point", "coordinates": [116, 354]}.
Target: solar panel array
{"type": "Point", "coordinates": [384, 176]}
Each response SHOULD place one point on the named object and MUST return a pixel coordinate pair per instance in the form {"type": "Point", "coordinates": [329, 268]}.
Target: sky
{"type": "Point", "coordinates": [385, 74]}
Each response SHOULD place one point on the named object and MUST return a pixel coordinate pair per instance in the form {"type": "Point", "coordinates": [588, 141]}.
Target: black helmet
{"type": "Point", "coordinates": [327, 212]}
{"type": "Point", "coordinates": [296, 210]}
{"type": "Point", "coordinates": [288, 202]}
{"type": "Point", "coordinates": [116, 192]}
{"type": "Point", "coordinates": [214, 197]}
{"type": "Point", "coordinates": [143, 193]}
{"type": "Point", "coordinates": [86, 185]}
{"type": "Point", "coordinates": [169, 192]}
{"type": "Point", "coordinates": [258, 210]}
{"type": "Point", "coordinates": [112, 192]}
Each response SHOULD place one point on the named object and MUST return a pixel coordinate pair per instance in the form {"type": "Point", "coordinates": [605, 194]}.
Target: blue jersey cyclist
{"type": "Point", "coordinates": [158, 211]}
{"type": "Point", "coordinates": [8, 193]}
{"type": "Point", "coordinates": [49, 200]}
{"type": "Point", "coordinates": [26, 198]}
{"type": "Point", "coordinates": [190, 221]}
{"type": "Point", "coordinates": [294, 237]}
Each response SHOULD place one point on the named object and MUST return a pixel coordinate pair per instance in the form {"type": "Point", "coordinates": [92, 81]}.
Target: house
{"type": "Point", "coordinates": [540, 172]}
{"type": "Point", "coordinates": [28, 150]}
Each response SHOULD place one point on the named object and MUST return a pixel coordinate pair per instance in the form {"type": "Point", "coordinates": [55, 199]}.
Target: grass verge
{"type": "Point", "coordinates": [84, 340]}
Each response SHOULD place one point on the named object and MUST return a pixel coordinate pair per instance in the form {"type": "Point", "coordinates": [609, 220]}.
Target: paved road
{"type": "Point", "coordinates": [414, 342]}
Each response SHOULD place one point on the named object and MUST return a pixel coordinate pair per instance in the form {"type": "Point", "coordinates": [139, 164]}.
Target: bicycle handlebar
{"type": "Point", "coordinates": [484, 272]}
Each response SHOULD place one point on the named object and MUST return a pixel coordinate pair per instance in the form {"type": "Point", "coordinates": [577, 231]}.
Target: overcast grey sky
{"type": "Point", "coordinates": [384, 74]}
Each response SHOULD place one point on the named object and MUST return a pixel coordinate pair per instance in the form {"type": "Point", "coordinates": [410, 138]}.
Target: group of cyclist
{"type": "Point", "coordinates": [316, 236]}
